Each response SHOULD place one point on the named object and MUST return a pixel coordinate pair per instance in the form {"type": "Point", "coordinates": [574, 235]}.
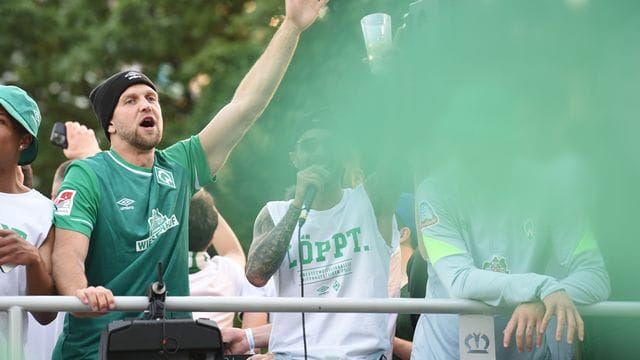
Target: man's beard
{"type": "Point", "coordinates": [141, 142]}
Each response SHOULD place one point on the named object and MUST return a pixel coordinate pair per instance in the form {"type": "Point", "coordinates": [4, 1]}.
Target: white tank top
{"type": "Point", "coordinates": [29, 215]}
{"type": "Point", "coordinates": [344, 256]}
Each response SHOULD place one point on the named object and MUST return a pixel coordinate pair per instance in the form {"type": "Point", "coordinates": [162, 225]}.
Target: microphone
{"type": "Point", "coordinates": [309, 195]}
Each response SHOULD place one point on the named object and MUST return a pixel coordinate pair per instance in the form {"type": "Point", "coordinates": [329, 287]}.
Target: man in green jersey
{"type": "Point", "coordinates": [122, 211]}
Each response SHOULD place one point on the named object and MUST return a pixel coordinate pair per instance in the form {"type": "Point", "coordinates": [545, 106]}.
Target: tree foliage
{"type": "Point", "coordinates": [196, 51]}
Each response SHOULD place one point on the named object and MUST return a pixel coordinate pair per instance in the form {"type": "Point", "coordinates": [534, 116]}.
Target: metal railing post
{"type": "Point", "coordinates": [15, 316]}
{"type": "Point", "coordinates": [476, 337]}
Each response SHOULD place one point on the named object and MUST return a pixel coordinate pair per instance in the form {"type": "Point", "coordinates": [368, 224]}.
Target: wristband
{"type": "Point", "coordinates": [252, 343]}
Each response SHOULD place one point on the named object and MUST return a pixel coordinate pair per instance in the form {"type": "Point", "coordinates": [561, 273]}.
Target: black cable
{"type": "Point", "coordinates": [304, 331]}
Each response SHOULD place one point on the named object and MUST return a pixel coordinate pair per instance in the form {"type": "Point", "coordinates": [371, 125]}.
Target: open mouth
{"type": "Point", "coordinates": [148, 122]}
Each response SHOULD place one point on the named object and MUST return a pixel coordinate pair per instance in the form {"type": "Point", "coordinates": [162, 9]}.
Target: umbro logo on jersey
{"type": "Point", "coordinates": [125, 204]}
{"type": "Point", "coordinates": [164, 177]}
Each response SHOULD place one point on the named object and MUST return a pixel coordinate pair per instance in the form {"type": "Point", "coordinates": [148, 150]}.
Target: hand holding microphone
{"type": "Point", "coordinates": [309, 196]}
{"type": "Point", "coordinates": [309, 182]}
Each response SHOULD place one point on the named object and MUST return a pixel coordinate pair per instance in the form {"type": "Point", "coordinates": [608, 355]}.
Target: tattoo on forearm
{"type": "Point", "coordinates": [270, 243]}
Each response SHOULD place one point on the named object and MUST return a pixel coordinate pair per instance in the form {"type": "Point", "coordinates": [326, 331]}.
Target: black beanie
{"type": "Point", "coordinates": [105, 96]}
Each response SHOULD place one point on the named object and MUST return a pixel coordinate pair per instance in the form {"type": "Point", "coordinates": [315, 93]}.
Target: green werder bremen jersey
{"type": "Point", "coordinates": [134, 218]}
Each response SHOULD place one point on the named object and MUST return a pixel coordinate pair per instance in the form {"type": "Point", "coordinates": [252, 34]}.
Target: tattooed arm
{"type": "Point", "coordinates": [270, 244]}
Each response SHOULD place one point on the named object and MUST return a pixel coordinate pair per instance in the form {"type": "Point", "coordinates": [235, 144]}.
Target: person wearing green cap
{"type": "Point", "coordinates": [26, 233]}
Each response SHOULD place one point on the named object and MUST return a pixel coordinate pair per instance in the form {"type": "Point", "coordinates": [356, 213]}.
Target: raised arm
{"type": "Point", "coordinates": [383, 194]}
{"type": "Point", "coordinates": [270, 244]}
{"type": "Point", "coordinates": [82, 141]}
{"type": "Point", "coordinates": [257, 88]}
{"type": "Point", "coordinates": [392, 176]}
{"type": "Point", "coordinates": [226, 242]}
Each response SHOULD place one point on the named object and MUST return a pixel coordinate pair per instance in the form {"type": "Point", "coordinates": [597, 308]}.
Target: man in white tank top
{"type": "Point", "coordinates": [344, 248]}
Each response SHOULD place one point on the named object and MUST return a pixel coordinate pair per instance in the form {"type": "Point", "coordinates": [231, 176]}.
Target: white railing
{"type": "Point", "coordinates": [16, 305]}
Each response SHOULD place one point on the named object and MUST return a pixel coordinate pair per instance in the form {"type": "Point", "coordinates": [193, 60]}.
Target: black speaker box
{"type": "Point", "coordinates": [162, 339]}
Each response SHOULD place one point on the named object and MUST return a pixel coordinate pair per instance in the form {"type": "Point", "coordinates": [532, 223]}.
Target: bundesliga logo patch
{"type": "Point", "coordinates": [428, 216]}
{"type": "Point", "coordinates": [64, 202]}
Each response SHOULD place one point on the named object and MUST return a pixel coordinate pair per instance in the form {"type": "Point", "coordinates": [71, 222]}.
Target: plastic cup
{"type": "Point", "coordinates": [376, 29]}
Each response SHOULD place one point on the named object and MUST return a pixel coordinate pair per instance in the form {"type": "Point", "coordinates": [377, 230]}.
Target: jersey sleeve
{"type": "Point", "coordinates": [441, 225]}
{"type": "Point", "coordinates": [585, 277]}
{"type": "Point", "coordinates": [189, 153]}
{"type": "Point", "coordinates": [587, 281]}
{"type": "Point", "coordinates": [77, 202]}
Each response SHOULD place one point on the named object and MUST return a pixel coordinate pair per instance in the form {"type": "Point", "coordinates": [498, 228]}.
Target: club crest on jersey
{"type": "Point", "coordinates": [164, 177]}
{"type": "Point", "coordinates": [64, 202]}
{"type": "Point", "coordinates": [497, 264]}
{"type": "Point", "coordinates": [428, 216]}
{"type": "Point", "coordinates": [158, 225]}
